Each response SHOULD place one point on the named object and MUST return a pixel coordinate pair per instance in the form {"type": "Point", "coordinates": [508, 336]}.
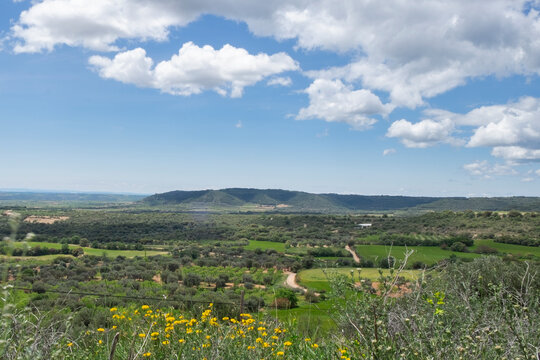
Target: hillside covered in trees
{"type": "Point", "coordinates": [291, 201]}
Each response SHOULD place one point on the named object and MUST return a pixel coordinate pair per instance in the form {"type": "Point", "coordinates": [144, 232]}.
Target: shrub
{"type": "Point", "coordinates": [387, 262]}
{"type": "Point", "coordinates": [459, 247]}
{"type": "Point", "coordinates": [283, 293]}
{"type": "Point", "coordinates": [484, 249]}
{"type": "Point", "coordinates": [192, 279]}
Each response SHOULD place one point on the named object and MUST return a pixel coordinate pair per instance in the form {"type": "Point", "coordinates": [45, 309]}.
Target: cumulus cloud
{"type": "Point", "coordinates": [537, 172]}
{"type": "Point", "coordinates": [194, 69]}
{"type": "Point", "coordinates": [411, 50]}
{"type": "Point", "coordinates": [333, 101]}
{"type": "Point", "coordinates": [514, 124]}
{"type": "Point", "coordinates": [95, 25]}
{"type": "Point", "coordinates": [280, 81]}
{"type": "Point", "coordinates": [512, 130]}
{"type": "Point", "coordinates": [487, 170]}
{"type": "Point", "coordinates": [388, 151]}
{"type": "Point", "coordinates": [516, 153]}
{"type": "Point", "coordinates": [422, 134]}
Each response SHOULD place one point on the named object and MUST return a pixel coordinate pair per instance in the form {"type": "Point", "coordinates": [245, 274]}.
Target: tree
{"type": "Point", "coordinates": [65, 249]}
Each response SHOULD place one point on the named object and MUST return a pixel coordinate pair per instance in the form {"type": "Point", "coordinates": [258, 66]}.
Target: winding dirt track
{"type": "Point", "coordinates": [353, 253]}
{"type": "Point", "coordinates": [291, 281]}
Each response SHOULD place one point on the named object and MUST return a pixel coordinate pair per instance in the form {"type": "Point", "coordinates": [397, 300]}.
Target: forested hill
{"type": "Point", "coordinates": [284, 200]}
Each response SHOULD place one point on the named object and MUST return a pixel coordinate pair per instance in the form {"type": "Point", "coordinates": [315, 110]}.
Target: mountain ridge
{"type": "Point", "coordinates": [290, 200]}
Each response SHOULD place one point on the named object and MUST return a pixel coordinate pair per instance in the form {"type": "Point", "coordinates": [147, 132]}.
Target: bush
{"type": "Point", "coordinates": [192, 280]}
{"type": "Point", "coordinates": [387, 262]}
{"type": "Point", "coordinates": [484, 249]}
{"type": "Point", "coordinates": [289, 295]}
{"type": "Point", "coordinates": [459, 247]}
{"type": "Point", "coordinates": [418, 265]}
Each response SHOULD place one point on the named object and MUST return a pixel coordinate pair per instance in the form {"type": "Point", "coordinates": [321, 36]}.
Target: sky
{"type": "Point", "coordinates": [433, 98]}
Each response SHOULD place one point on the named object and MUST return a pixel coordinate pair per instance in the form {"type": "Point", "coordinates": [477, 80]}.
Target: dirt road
{"type": "Point", "coordinates": [291, 282]}
{"type": "Point", "coordinates": [353, 253]}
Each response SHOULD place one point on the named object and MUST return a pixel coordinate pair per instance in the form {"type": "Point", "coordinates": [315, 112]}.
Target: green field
{"type": "Point", "coordinates": [88, 251]}
{"type": "Point", "coordinates": [429, 255]}
{"type": "Point", "coordinates": [509, 248]}
{"type": "Point", "coordinates": [315, 320]}
{"type": "Point", "coordinates": [264, 245]}
{"type": "Point", "coordinates": [318, 279]}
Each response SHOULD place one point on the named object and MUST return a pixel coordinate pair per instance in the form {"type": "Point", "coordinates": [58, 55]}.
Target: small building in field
{"type": "Point", "coordinates": [363, 226]}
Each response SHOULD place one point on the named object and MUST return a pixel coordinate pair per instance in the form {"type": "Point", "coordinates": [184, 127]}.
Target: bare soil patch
{"type": "Point", "coordinates": [45, 219]}
{"type": "Point", "coordinates": [397, 291]}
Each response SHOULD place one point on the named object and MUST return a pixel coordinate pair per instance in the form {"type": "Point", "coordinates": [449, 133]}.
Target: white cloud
{"type": "Point", "coordinates": [333, 101]}
{"type": "Point", "coordinates": [514, 124]}
{"type": "Point", "coordinates": [486, 170]}
{"type": "Point", "coordinates": [194, 69]}
{"type": "Point", "coordinates": [421, 134]}
{"type": "Point", "coordinates": [95, 25]}
{"type": "Point", "coordinates": [516, 153]}
{"type": "Point", "coordinates": [411, 50]}
{"type": "Point", "coordinates": [512, 130]}
{"type": "Point", "coordinates": [388, 151]}
{"type": "Point", "coordinates": [280, 81]}
{"type": "Point", "coordinates": [130, 67]}
{"type": "Point", "coordinates": [537, 172]}
{"type": "Point", "coordinates": [323, 134]}
{"type": "Point", "coordinates": [239, 124]}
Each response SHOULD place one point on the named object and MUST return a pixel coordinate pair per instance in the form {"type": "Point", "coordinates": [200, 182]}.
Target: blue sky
{"type": "Point", "coordinates": [439, 99]}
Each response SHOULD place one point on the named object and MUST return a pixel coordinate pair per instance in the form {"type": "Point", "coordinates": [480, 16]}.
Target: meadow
{"type": "Point", "coordinates": [319, 279]}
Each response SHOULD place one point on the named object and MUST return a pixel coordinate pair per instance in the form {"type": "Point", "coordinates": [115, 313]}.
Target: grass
{"type": "Point", "coordinates": [429, 255]}
{"type": "Point", "coordinates": [264, 245]}
{"type": "Point", "coordinates": [313, 319]}
{"type": "Point", "coordinates": [509, 248]}
{"type": "Point", "coordinates": [87, 250]}
{"type": "Point", "coordinates": [316, 279]}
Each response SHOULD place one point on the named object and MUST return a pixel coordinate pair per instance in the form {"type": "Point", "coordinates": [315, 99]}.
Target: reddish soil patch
{"type": "Point", "coordinates": [397, 291]}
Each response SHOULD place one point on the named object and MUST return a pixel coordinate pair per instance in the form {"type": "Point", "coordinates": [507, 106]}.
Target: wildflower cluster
{"type": "Point", "coordinates": [151, 333]}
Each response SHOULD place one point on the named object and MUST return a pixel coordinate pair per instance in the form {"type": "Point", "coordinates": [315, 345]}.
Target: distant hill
{"type": "Point", "coordinates": [293, 201]}
{"type": "Point", "coordinates": [31, 196]}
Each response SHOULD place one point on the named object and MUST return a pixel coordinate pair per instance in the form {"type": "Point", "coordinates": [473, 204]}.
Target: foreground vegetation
{"type": "Point", "coordinates": [115, 283]}
{"type": "Point", "coordinates": [487, 309]}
